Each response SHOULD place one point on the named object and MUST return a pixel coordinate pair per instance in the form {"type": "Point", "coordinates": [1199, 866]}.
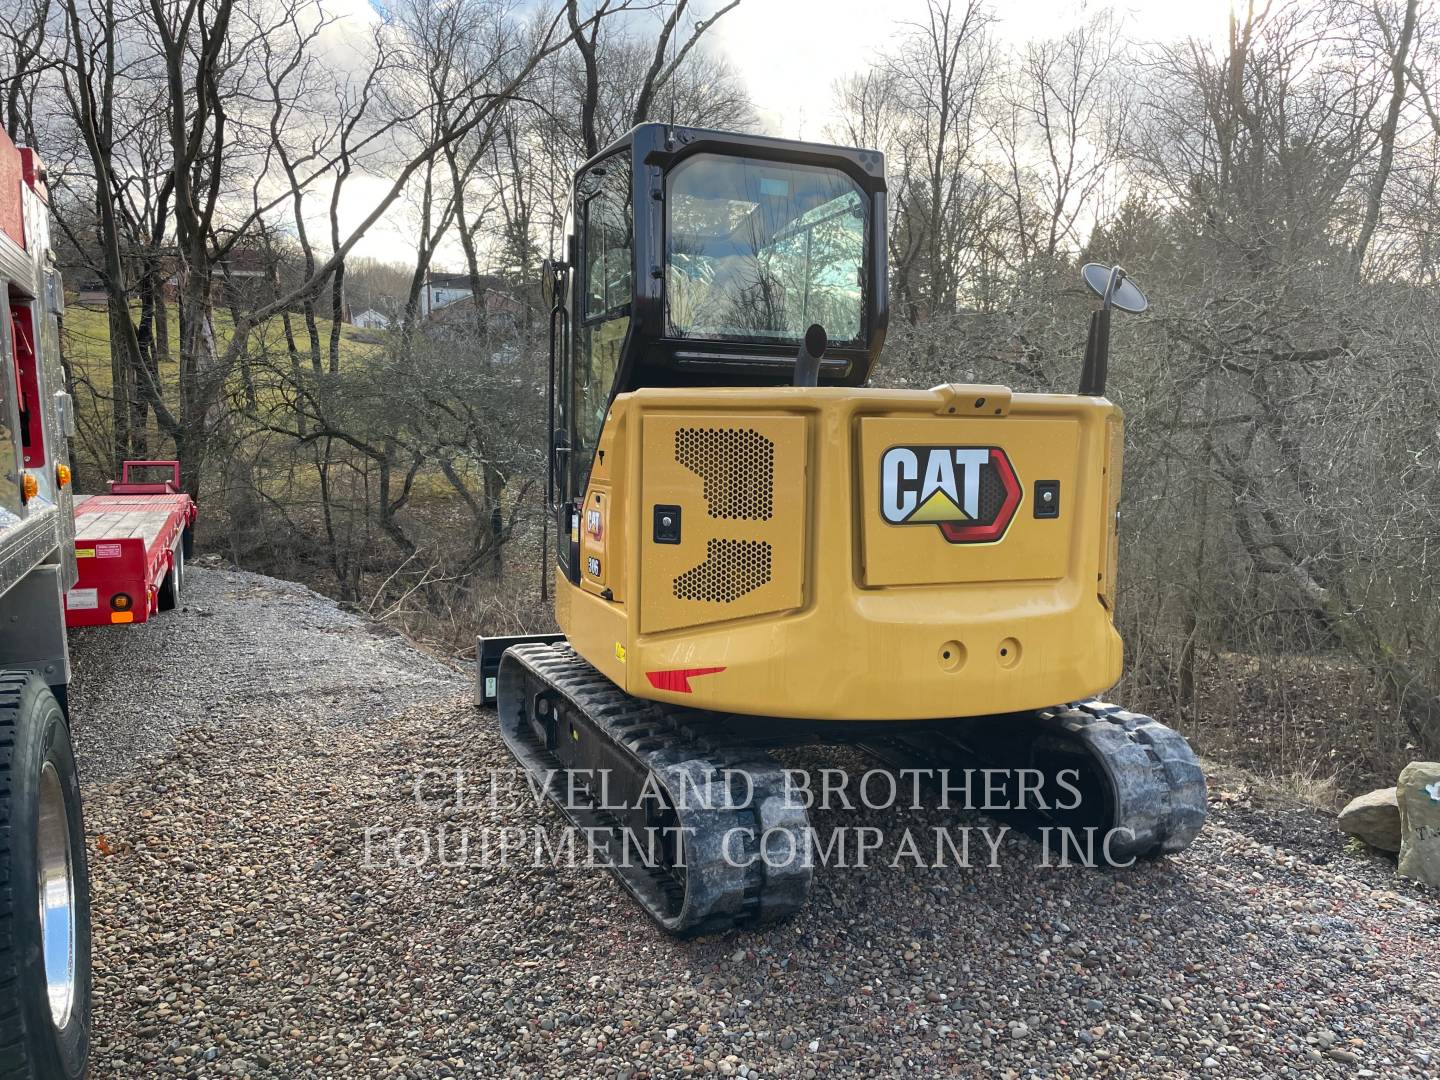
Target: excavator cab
{"type": "Point", "coordinates": [700, 258]}
{"type": "Point", "coordinates": [757, 549]}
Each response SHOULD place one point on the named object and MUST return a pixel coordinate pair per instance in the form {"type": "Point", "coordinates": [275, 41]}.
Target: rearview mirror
{"type": "Point", "coordinates": [1113, 286]}
{"type": "Point", "coordinates": [1115, 290]}
{"type": "Point", "coordinates": [552, 282]}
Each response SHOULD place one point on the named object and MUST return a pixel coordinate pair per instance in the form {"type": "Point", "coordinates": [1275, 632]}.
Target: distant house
{"type": "Point", "coordinates": [92, 294]}
{"type": "Point", "coordinates": [500, 310]}
{"type": "Point", "coordinates": [442, 290]}
{"type": "Point", "coordinates": [246, 278]}
{"type": "Point", "coordinates": [370, 319]}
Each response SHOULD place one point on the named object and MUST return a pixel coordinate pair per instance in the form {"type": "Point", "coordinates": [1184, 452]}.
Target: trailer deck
{"type": "Point", "coordinates": [130, 546]}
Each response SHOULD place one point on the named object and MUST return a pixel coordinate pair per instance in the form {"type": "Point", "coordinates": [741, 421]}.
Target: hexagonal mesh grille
{"type": "Point", "coordinates": [737, 466]}
{"type": "Point", "coordinates": [731, 569]}
{"type": "Point", "coordinates": [992, 494]}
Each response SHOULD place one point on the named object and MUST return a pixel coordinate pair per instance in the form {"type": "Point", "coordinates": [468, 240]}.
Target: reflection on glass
{"type": "Point", "coordinates": [758, 251]}
{"type": "Point", "coordinates": [606, 191]}
{"type": "Point", "coordinates": [601, 345]}
{"type": "Point", "coordinates": [608, 258]}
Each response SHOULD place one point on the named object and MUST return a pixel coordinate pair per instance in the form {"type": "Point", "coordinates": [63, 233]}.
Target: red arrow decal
{"type": "Point", "coordinates": [677, 680]}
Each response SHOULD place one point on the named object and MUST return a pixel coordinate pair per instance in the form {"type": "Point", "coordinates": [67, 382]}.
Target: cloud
{"type": "Point", "coordinates": [790, 52]}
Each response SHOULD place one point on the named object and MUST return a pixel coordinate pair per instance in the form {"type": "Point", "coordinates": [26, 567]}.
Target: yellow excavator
{"type": "Point", "coordinates": [756, 549]}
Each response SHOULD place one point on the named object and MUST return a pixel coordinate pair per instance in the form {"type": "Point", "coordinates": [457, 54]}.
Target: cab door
{"type": "Point", "coordinates": [603, 284]}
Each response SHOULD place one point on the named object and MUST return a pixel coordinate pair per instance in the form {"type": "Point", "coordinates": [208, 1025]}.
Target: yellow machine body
{"type": "Point", "coordinates": [777, 551]}
{"type": "Point", "coordinates": [757, 550]}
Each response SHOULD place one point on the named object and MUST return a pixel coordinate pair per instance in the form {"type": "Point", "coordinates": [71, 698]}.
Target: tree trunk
{"type": "Point", "coordinates": [337, 314]}
{"type": "Point", "coordinates": [200, 375]}
{"type": "Point", "coordinates": [1400, 80]}
{"type": "Point", "coordinates": [122, 371]}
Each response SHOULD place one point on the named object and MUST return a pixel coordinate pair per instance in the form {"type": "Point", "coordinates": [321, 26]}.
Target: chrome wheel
{"type": "Point", "coordinates": [57, 896]}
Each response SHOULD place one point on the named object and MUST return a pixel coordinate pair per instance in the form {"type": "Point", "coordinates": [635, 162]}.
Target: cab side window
{"type": "Point", "coordinates": [607, 258]}
{"type": "Point", "coordinates": [609, 254]}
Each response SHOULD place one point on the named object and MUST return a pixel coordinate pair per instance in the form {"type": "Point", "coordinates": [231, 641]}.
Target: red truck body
{"type": "Point", "coordinates": [126, 542]}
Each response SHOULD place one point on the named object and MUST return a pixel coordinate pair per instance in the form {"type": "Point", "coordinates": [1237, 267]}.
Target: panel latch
{"type": "Point", "coordinates": [1047, 498]}
{"type": "Point", "coordinates": [667, 524]}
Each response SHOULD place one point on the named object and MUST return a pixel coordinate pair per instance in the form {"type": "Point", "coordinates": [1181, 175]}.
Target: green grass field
{"type": "Point", "coordinates": [87, 342]}
{"type": "Point", "coordinates": [87, 349]}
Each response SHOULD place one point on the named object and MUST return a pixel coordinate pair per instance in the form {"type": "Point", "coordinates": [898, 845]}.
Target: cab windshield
{"type": "Point", "coordinates": [759, 251]}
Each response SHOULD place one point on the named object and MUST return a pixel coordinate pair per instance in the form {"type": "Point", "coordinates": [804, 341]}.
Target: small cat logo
{"type": "Point", "coordinates": [970, 492]}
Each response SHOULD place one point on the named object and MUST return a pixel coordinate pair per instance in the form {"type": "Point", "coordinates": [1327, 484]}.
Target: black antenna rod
{"type": "Point", "coordinates": [675, 52]}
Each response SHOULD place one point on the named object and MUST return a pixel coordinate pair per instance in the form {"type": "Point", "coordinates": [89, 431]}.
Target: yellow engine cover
{"type": "Point", "coordinates": [846, 554]}
{"type": "Point", "coordinates": [741, 548]}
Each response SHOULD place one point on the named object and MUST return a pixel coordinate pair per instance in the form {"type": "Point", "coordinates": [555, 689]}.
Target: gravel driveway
{"type": "Point", "coordinates": [239, 931]}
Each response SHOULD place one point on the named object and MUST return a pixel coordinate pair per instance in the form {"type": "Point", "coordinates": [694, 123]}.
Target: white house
{"type": "Point", "coordinates": [442, 290]}
{"type": "Point", "coordinates": [370, 319]}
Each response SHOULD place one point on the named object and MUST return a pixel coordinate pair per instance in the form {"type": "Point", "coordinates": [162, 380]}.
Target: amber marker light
{"type": "Point", "coordinates": [29, 487]}
{"type": "Point", "coordinates": [62, 474]}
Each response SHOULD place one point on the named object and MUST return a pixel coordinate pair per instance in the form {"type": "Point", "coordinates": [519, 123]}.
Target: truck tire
{"type": "Point", "coordinates": [173, 586]}
{"type": "Point", "coordinates": [44, 890]}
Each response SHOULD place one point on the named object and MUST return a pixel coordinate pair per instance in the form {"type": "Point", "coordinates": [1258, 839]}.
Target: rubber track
{"type": "Point", "coordinates": [1163, 793]}
{"type": "Point", "coordinates": [709, 893]}
{"type": "Point", "coordinates": [1155, 786]}
{"type": "Point", "coordinates": [14, 1062]}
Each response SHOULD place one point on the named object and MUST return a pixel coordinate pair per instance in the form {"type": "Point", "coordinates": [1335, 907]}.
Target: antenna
{"type": "Point", "coordinates": [675, 55]}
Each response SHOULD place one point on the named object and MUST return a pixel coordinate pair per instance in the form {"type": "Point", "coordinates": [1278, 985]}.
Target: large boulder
{"type": "Point", "coordinates": [1374, 818]}
{"type": "Point", "coordinates": [1418, 793]}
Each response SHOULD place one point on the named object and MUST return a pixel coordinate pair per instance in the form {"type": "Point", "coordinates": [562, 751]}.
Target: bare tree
{"type": "Point", "coordinates": [939, 76]}
{"type": "Point", "coordinates": [871, 111]}
{"type": "Point", "coordinates": [666, 57]}
{"type": "Point", "coordinates": [1059, 127]}
{"type": "Point", "coordinates": [24, 25]}
{"type": "Point", "coordinates": [89, 83]}
{"type": "Point", "coordinates": [1397, 46]}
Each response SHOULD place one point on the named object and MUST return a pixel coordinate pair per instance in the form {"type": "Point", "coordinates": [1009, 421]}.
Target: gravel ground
{"type": "Point", "coordinates": [239, 931]}
{"type": "Point", "coordinates": [242, 645]}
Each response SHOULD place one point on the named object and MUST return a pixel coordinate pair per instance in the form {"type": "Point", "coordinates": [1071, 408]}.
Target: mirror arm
{"type": "Point", "coordinates": [559, 282]}
{"type": "Point", "coordinates": [1094, 371]}
{"type": "Point", "coordinates": [550, 411]}
{"type": "Point", "coordinates": [555, 311]}
{"type": "Point", "coordinates": [1117, 275]}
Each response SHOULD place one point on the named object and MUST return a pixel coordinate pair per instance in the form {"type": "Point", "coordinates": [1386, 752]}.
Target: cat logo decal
{"type": "Point", "coordinates": [970, 492]}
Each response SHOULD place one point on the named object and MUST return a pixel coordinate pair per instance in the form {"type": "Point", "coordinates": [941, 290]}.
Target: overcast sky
{"type": "Point", "coordinates": [789, 54]}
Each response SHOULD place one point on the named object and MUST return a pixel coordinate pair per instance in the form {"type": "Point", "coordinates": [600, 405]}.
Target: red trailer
{"type": "Point", "coordinates": [130, 548]}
